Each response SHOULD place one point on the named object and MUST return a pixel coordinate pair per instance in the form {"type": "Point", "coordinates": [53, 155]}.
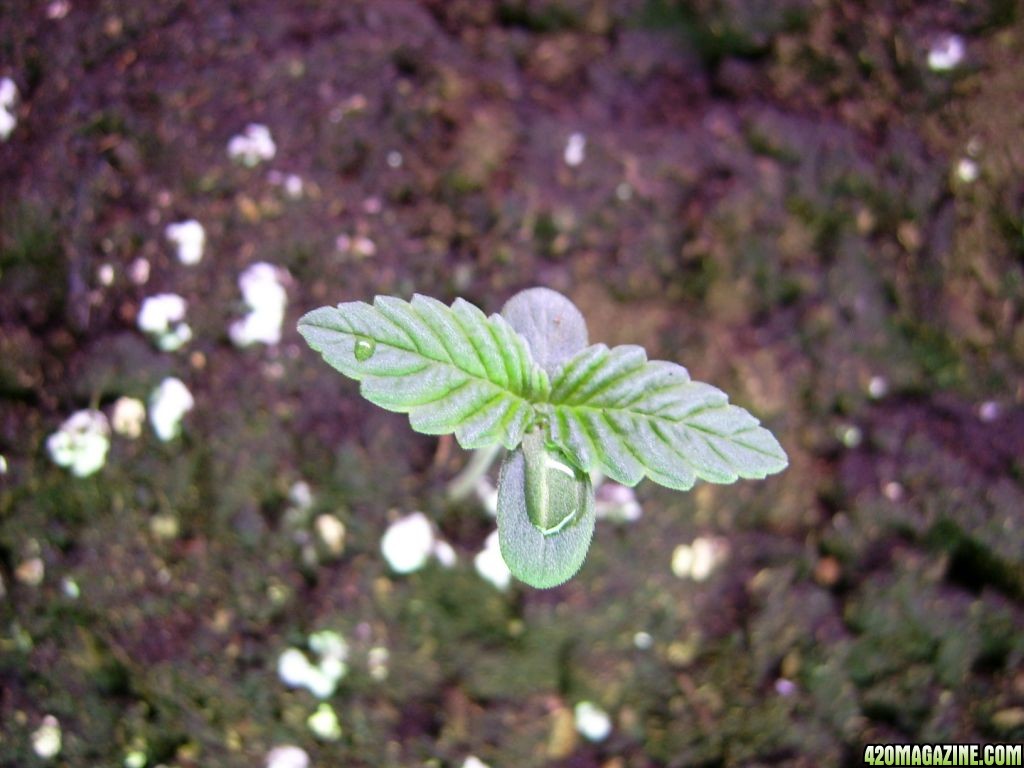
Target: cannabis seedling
{"type": "Point", "coordinates": [528, 380]}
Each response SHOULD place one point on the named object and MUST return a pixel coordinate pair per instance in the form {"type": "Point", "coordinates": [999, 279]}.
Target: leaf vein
{"type": "Point", "coordinates": [596, 362]}
{"type": "Point", "coordinates": [610, 383]}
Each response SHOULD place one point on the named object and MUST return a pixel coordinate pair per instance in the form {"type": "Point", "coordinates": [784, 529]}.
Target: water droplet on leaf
{"type": "Point", "coordinates": [364, 349]}
{"type": "Point", "coordinates": [555, 490]}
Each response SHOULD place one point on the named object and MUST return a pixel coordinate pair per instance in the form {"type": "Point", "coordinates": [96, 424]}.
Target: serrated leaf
{"type": "Point", "coordinates": [452, 369]}
{"type": "Point", "coordinates": [616, 411]}
{"type": "Point", "coordinates": [541, 559]}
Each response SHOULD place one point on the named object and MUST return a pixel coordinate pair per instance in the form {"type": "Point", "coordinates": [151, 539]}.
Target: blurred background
{"type": "Point", "coordinates": [209, 547]}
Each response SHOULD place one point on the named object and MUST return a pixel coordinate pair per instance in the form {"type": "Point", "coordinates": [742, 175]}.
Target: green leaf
{"type": "Point", "coordinates": [553, 327]}
{"type": "Point", "coordinates": [613, 410]}
{"type": "Point", "coordinates": [545, 518]}
{"type": "Point", "coordinates": [452, 369]}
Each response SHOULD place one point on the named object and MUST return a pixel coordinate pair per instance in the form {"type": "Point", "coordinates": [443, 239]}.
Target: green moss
{"type": "Point", "coordinates": [33, 267]}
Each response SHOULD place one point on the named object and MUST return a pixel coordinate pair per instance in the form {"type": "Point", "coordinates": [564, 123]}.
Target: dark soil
{"type": "Point", "coordinates": [770, 195]}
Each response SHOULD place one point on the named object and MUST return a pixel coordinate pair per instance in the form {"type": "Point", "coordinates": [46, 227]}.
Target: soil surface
{"type": "Point", "coordinates": [793, 199]}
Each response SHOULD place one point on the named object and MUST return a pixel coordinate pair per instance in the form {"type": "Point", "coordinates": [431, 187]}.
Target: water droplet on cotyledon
{"type": "Point", "coordinates": [364, 349]}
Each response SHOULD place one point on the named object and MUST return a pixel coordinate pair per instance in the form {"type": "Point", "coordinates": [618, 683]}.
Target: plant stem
{"type": "Point", "coordinates": [463, 483]}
